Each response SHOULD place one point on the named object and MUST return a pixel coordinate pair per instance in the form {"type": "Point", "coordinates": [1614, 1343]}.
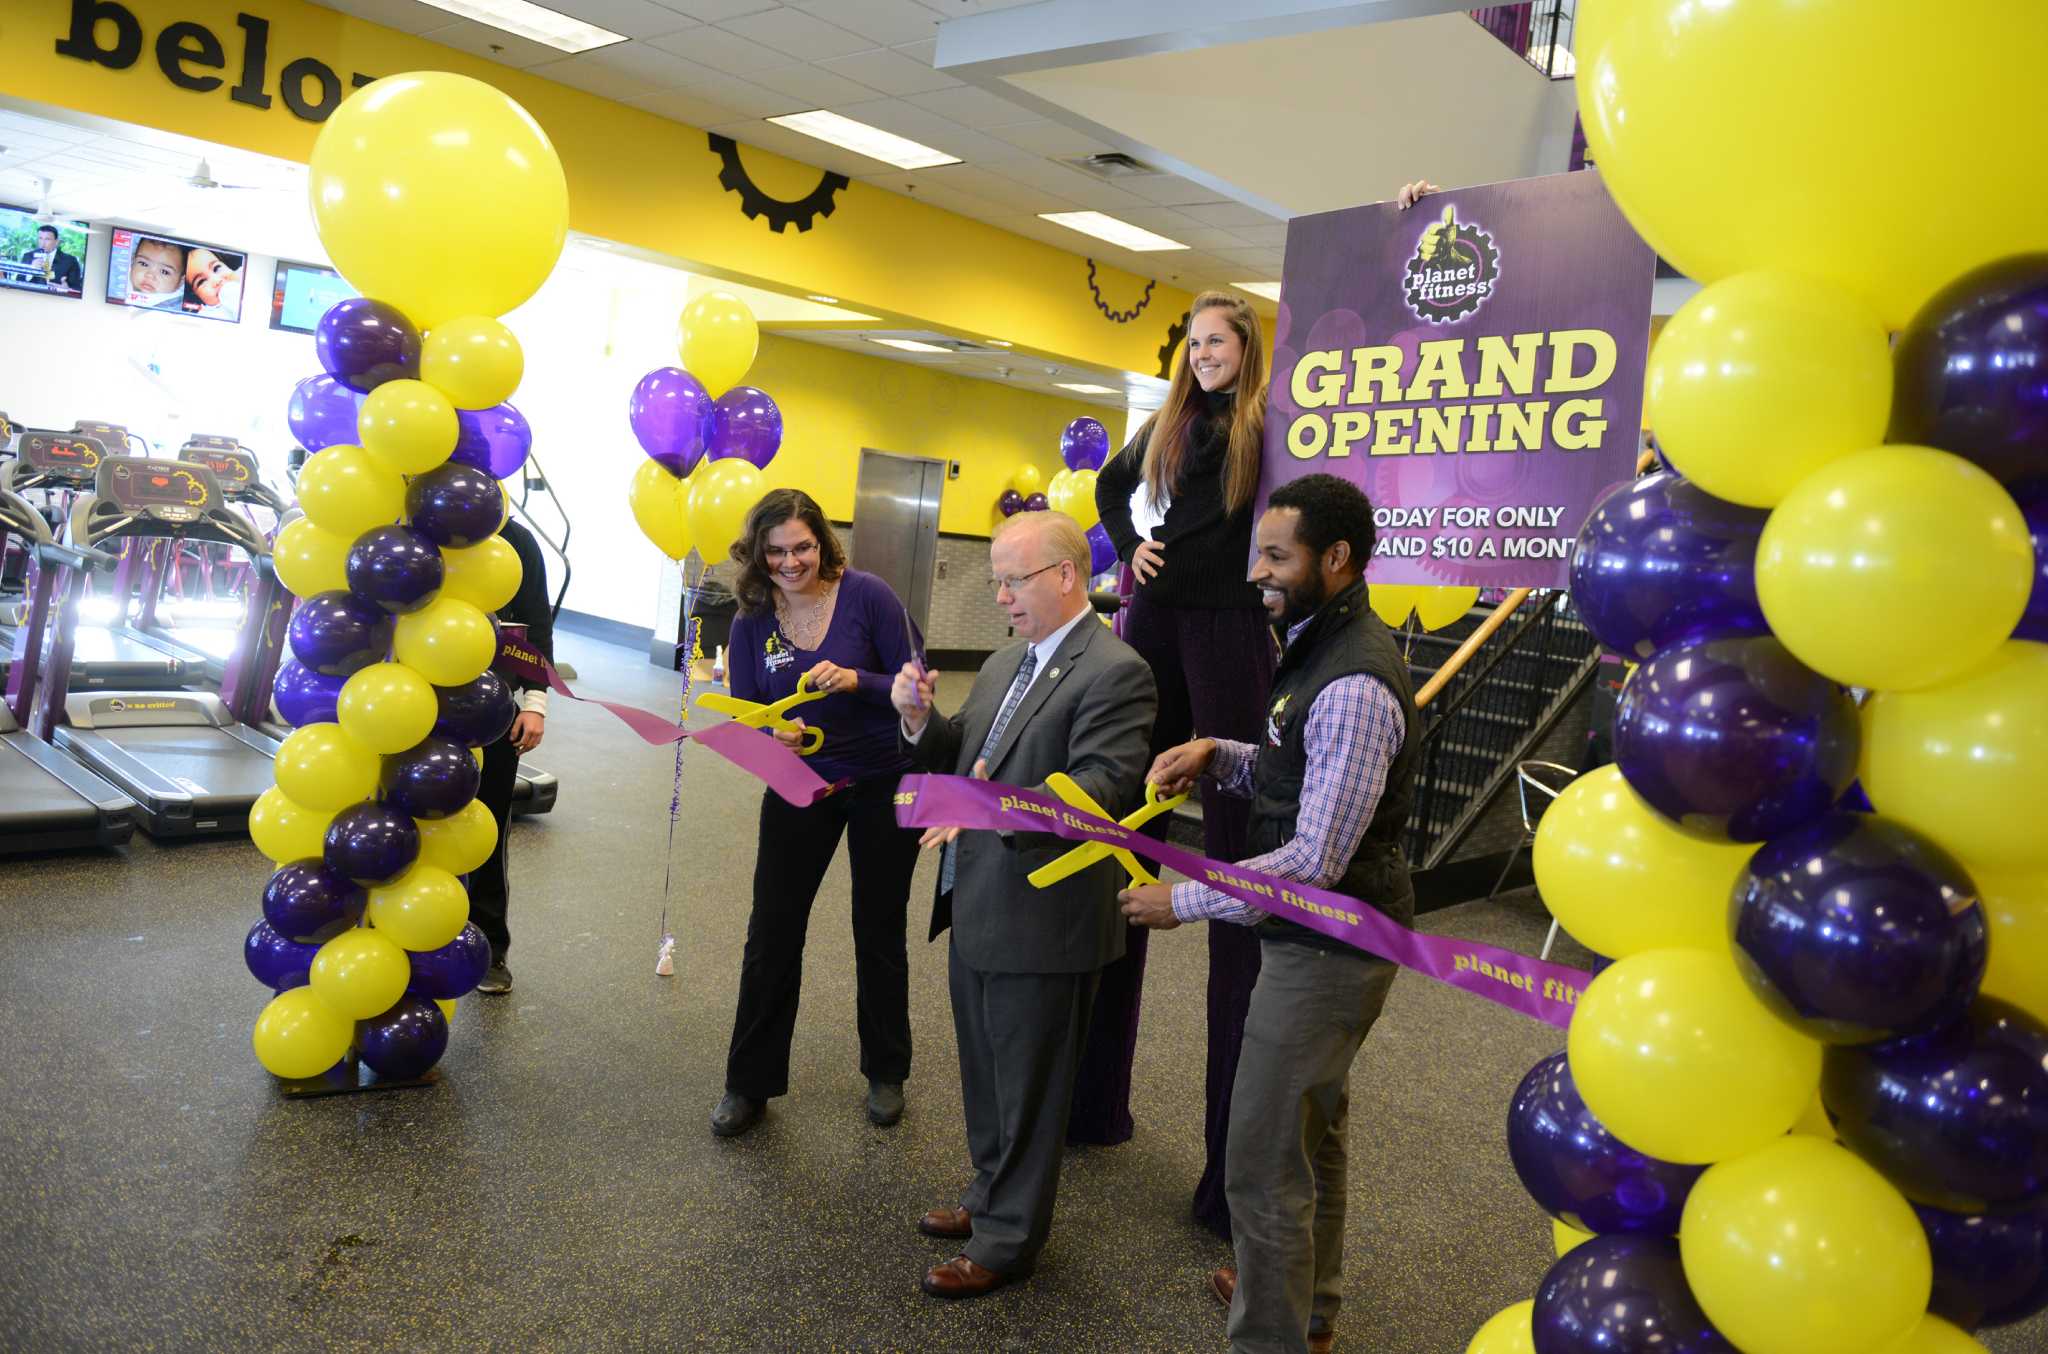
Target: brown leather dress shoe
{"type": "Point", "coordinates": [948, 1224]}
{"type": "Point", "coordinates": [1223, 1284]}
{"type": "Point", "coordinates": [962, 1278]}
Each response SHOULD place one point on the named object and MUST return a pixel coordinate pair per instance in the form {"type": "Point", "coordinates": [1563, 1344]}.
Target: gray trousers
{"type": "Point", "coordinates": [1020, 1037]}
{"type": "Point", "coordinates": [1284, 1175]}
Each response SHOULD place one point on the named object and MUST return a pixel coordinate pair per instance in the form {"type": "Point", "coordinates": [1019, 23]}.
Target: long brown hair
{"type": "Point", "coordinates": [1170, 432]}
{"type": "Point", "coordinates": [753, 587]}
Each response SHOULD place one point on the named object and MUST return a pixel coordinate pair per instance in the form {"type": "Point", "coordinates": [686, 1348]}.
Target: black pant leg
{"type": "Point", "coordinates": [883, 856]}
{"type": "Point", "coordinates": [489, 895]}
{"type": "Point", "coordinates": [794, 848]}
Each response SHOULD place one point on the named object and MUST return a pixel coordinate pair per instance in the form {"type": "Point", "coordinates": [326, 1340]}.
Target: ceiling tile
{"type": "Point", "coordinates": [633, 18]}
{"type": "Point", "coordinates": [407, 16]}
{"type": "Point", "coordinates": [803, 149]}
{"type": "Point", "coordinates": [1167, 221]}
{"type": "Point", "coordinates": [1265, 237]}
{"type": "Point", "coordinates": [972, 107]}
{"type": "Point", "coordinates": [1071, 184]}
{"type": "Point", "coordinates": [1170, 190]}
{"type": "Point", "coordinates": [1045, 137]}
{"type": "Point", "coordinates": [492, 44]}
{"type": "Point", "coordinates": [815, 86]}
{"type": "Point", "coordinates": [682, 106]}
{"type": "Point", "coordinates": [749, 99]}
{"type": "Point", "coordinates": [648, 66]}
{"type": "Point", "coordinates": [803, 36]}
{"type": "Point", "coordinates": [1253, 258]}
{"type": "Point", "coordinates": [949, 199]}
{"type": "Point", "coordinates": [889, 72]}
{"type": "Point", "coordinates": [953, 9]}
{"type": "Point", "coordinates": [1229, 215]}
{"type": "Point", "coordinates": [1208, 237]}
{"type": "Point", "coordinates": [888, 22]}
{"type": "Point", "coordinates": [726, 52]}
{"type": "Point", "coordinates": [599, 73]}
{"type": "Point", "coordinates": [927, 128]}
{"type": "Point", "coordinates": [997, 188]}
{"type": "Point", "coordinates": [717, 11]}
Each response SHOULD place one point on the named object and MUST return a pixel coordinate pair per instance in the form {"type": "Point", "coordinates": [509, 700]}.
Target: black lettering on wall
{"type": "Point", "coordinates": [291, 83]}
{"type": "Point", "coordinates": [188, 44]}
{"type": "Point", "coordinates": [255, 60]}
{"type": "Point", "coordinates": [83, 41]}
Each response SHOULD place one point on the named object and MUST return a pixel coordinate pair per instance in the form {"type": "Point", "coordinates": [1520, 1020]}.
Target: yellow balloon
{"type": "Point", "coordinates": [1566, 1238]}
{"type": "Point", "coordinates": [1057, 489]}
{"type": "Point", "coordinates": [346, 491]}
{"type": "Point", "coordinates": [1676, 1057]}
{"type": "Point", "coordinates": [1967, 762]}
{"type": "Point", "coordinates": [1815, 1122]}
{"type": "Point", "coordinates": [447, 641]}
{"type": "Point", "coordinates": [285, 832]}
{"type": "Point", "coordinates": [423, 909]}
{"type": "Point", "coordinates": [310, 561]}
{"type": "Point", "coordinates": [462, 841]}
{"type": "Point", "coordinates": [1512, 1330]}
{"type": "Point", "coordinates": [1894, 568]}
{"type": "Point", "coordinates": [1763, 378]}
{"type": "Point", "coordinates": [447, 1008]}
{"type": "Point", "coordinates": [1688, 106]}
{"type": "Point", "coordinates": [477, 755]}
{"type": "Point", "coordinates": [1801, 1248]}
{"type": "Point", "coordinates": [440, 195]}
{"type": "Point", "coordinates": [475, 361]}
{"type": "Point", "coordinates": [1438, 607]}
{"type": "Point", "coordinates": [409, 426]}
{"type": "Point", "coordinates": [717, 339]}
{"type": "Point", "coordinates": [1081, 498]}
{"type": "Point", "coordinates": [387, 707]}
{"type": "Point", "coordinates": [321, 766]}
{"type": "Point", "coordinates": [299, 1035]}
{"type": "Point", "coordinates": [485, 575]}
{"type": "Point", "coordinates": [1622, 879]}
{"type": "Point", "coordinates": [2017, 909]}
{"type": "Point", "coordinates": [660, 503]}
{"type": "Point", "coordinates": [1027, 479]}
{"type": "Point", "coordinates": [360, 973]}
{"type": "Point", "coordinates": [1935, 1336]}
{"type": "Point", "coordinates": [721, 494]}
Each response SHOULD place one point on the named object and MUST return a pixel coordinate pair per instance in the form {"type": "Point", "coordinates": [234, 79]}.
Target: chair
{"type": "Point", "coordinates": [1546, 780]}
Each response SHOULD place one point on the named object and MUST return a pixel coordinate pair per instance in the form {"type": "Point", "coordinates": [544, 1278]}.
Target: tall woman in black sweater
{"type": "Point", "coordinates": [1177, 502]}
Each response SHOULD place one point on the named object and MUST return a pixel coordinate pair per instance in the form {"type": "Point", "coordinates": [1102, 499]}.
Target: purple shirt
{"type": "Point", "coordinates": [868, 634]}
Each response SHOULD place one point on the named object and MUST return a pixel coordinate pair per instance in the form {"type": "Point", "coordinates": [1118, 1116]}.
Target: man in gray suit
{"type": "Point", "coordinates": [1067, 696]}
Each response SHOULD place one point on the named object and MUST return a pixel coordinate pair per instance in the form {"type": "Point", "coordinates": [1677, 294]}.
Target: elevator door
{"type": "Point", "coordinates": [896, 525]}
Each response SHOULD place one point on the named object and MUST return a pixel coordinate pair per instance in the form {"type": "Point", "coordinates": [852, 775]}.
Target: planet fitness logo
{"type": "Point", "coordinates": [1453, 271]}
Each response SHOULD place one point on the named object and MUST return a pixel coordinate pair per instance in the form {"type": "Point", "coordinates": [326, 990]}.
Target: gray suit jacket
{"type": "Point", "coordinates": [1089, 714]}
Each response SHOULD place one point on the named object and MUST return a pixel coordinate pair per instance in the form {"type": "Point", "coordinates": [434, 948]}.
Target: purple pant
{"type": "Point", "coordinates": [1214, 669]}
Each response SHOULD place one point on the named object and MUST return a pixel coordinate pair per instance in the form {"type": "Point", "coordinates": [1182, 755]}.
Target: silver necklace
{"type": "Point", "coordinates": [808, 632]}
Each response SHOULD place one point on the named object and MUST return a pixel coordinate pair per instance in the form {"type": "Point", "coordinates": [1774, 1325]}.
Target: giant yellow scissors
{"type": "Point", "coordinates": [1081, 857]}
{"type": "Point", "coordinates": [755, 715]}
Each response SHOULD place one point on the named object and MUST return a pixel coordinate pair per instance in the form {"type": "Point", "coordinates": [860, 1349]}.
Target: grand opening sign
{"type": "Point", "coordinates": [1475, 364]}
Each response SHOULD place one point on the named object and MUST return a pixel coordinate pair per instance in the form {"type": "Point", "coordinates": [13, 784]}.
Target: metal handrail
{"type": "Point", "coordinates": [1538, 31]}
{"type": "Point", "coordinates": [532, 477]}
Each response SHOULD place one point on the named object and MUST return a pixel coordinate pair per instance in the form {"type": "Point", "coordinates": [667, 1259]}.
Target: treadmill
{"type": "Point", "coordinates": [204, 649]}
{"type": "Point", "coordinates": [47, 800]}
{"type": "Point", "coordinates": [191, 760]}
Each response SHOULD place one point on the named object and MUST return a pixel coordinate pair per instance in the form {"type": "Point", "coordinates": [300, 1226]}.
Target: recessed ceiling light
{"type": "Point", "coordinates": [533, 23]}
{"type": "Point", "coordinates": [910, 345]}
{"type": "Point", "coordinates": [1269, 290]}
{"type": "Point", "coordinates": [997, 343]}
{"type": "Point", "coordinates": [1105, 227]}
{"type": "Point", "coordinates": [862, 139]}
{"type": "Point", "coordinates": [822, 300]}
{"type": "Point", "coordinates": [1086, 389]}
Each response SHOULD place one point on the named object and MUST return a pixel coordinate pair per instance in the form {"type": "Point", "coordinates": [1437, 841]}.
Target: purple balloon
{"type": "Point", "coordinates": [1971, 369]}
{"type": "Point", "coordinates": [1011, 503]}
{"type": "Point", "coordinates": [455, 505]}
{"type": "Point", "coordinates": [1036, 503]}
{"type": "Point", "coordinates": [1855, 929]}
{"type": "Point", "coordinates": [745, 425]}
{"type": "Point", "coordinates": [452, 970]}
{"type": "Point", "coordinates": [304, 696]}
{"type": "Point", "coordinates": [495, 441]}
{"type": "Point", "coordinates": [396, 568]}
{"type": "Point", "coordinates": [2033, 500]}
{"type": "Point", "coordinates": [1581, 1174]}
{"type": "Point", "coordinates": [1101, 550]}
{"type": "Point", "coordinates": [1084, 444]}
{"type": "Point", "coordinates": [404, 1042]}
{"type": "Point", "coordinates": [363, 343]}
{"type": "Point", "coordinates": [1957, 1119]}
{"type": "Point", "coordinates": [371, 843]}
{"type": "Point", "coordinates": [338, 633]}
{"type": "Point", "coordinates": [1661, 562]}
{"type": "Point", "coordinates": [478, 713]}
{"type": "Point", "coordinates": [323, 413]}
{"type": "Point", "coordinates": [305, 901]}
{"type": "Point", "coordinates": [1735, 739]}
{"type": "Point", "coordinates": [671, 415]}
{"type": "Point", "coordinates": [1622, 1295]}
{"type": "Point", "coordinates": [1990, 1269]}
{"type": "Point", "coordinates": [432, 779]}
{"type": "Point", "coordinates": [278, 962]}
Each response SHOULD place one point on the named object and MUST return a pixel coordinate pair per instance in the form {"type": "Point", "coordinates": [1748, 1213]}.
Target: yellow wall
{"type": "Point", "coordinates": [834, 403]}
{"type": "Point", "coordinates": [633, 177]}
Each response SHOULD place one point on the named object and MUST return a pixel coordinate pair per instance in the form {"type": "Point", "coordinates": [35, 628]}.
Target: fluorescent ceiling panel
{"type": "Point", "coordinates": [1106, 227]}
{"type": "Point", "coordinates": [862, 139]}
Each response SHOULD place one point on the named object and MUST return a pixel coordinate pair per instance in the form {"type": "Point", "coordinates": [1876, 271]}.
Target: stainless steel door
{"type": "Point", "coordinates": [896, 524]}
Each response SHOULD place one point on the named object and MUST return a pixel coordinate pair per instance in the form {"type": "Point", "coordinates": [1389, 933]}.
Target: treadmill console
{"type": "Point", "coordinates": [62, 458]}
{"type": "Point", "coordinates": [113, 436]}
{"type": "Point", "coordinates": [233, 467]}
{"type": "Point", "coordinates": [172, 492]}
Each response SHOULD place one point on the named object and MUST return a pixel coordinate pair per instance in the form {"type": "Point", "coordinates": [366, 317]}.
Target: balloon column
{"type": "Point", "coordinates": [1806, 1108]}
{"type": "Point", "coordinates": [1084, 446]}
{"type": "Point", "coordinates": [373, 821]}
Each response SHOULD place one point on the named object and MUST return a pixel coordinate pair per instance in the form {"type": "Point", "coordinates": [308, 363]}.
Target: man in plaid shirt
{"type": "Point", "coordinates": [1331, 783]}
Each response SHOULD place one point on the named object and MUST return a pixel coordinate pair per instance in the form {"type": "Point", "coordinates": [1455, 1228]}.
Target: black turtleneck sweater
{"type": "Point", "coordinates": [1208, 547]}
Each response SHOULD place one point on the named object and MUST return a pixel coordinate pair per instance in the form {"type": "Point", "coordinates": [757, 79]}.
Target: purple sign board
{"type": "Point", "coordinates": [1474, 363]}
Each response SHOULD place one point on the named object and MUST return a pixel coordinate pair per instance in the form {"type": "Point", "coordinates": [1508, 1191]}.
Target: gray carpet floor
{"type": "Point", "coordinates": [559, 1188]}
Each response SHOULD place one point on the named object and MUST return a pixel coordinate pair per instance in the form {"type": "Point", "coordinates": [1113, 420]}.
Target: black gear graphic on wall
{"type": "Point", "coordinates": [1176, 334]}
{"type": "Point", "coordinates": [1118, 316]}
{"type": "Point", "coordinates": [802, 213]}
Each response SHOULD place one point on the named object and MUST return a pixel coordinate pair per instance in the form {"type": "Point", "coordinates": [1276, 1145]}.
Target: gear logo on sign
{"type": "Point", "coordinates": [1453, 271]}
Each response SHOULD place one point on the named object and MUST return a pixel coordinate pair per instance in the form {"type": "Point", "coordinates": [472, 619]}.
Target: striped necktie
{"type": "Point", "coordinates": [1018, 687]}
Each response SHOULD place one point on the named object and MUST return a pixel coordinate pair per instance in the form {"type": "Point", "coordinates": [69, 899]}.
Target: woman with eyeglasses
{"type": "Point", "coordinates": [804, 613]}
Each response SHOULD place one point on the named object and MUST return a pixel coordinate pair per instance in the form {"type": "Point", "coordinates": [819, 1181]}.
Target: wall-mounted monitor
{"type": "Point", "coordinates": [44, 256]}
{"type": "Point", "coordinates": [181, 277]}
{"type": "Point", "coordinates": [302, 295]}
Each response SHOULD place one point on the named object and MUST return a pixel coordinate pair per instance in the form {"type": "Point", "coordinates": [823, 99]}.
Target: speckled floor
{"type": "Point", "coordinates": [559, 1189]}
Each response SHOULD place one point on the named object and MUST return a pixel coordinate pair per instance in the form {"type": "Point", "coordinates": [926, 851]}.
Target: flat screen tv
{"type": "Point", "coordinates": [179, 277]}
{"type": "Point", "coordinates": [44, 256]}
{"type": "Point", "coordinates": [302, 295]}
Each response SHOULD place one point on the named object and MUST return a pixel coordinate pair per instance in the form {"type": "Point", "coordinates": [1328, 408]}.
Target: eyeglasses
{"type": "Point", "coordinates": [996, 585]}
{"type": "Point", "coordinates": [775, 554]}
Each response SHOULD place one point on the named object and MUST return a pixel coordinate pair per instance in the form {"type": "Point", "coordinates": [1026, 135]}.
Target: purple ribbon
{"type": "Point", "coordinates": [1534, 987]}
